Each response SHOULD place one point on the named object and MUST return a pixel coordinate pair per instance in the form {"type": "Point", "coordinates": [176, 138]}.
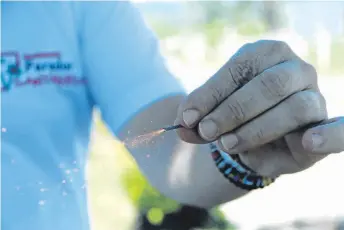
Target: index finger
{"type": "Point", "coordinates": [325, 138]}
{"type": "Point", "coordinates": [249, 61]}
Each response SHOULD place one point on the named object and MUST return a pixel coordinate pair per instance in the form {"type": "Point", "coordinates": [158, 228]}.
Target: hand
{"type": "Point", "coordinates": [264, 104]}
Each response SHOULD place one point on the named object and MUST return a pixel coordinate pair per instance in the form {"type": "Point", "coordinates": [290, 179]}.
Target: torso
{"type": "Point", "coordinates": [46, 116]}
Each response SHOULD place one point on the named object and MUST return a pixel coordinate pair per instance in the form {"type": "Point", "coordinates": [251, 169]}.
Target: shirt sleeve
{"type": "Point", "coordinates": [122, 61]}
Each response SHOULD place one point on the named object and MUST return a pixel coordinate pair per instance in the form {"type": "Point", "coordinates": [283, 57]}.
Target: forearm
{"type": "Point", "coordinates": [181, 171]}
{"type": "Point", "coordinates": [194, 179]}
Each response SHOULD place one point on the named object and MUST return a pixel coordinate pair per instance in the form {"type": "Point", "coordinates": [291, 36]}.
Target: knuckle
{"type": "Point", "coordinates": [276, 85]}
{"type": "Point", "coordinates": [191, 98]}
{"type": "Point", "coordinates": [241, 72]}
{"type": "Point", "coordinates": [280, 46]}
{"type": "Point", "coordinates": [196, 100]}
{"type": "Point", "coordinates": [245, 47]}
{"type": "Point", "coordinates": [236, 112]}
{"type": "Point", "coordinates": [274, 46]}
{"type": "Point", "coordinates": [309, 71]}
{"type": "Point", "coordinates": [257, 136]}
{"type": "Point", "coordinates": [242, 65]}
{"type": "Point", "coordinates": [216, 94]}
{"type": "Point", "coordinates": [309, 107]}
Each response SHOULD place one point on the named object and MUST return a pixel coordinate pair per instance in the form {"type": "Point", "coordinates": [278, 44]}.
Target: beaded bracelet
{"type": "Point", "coordinates": [237, 172]}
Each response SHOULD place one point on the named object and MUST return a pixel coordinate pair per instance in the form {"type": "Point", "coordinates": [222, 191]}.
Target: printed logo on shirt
{"type": "Point", "coordinates": [36, 69]}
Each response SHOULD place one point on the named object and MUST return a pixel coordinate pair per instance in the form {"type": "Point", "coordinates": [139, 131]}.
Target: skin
{"type": "Point", "coordinates": [266, 106]}
{"type": "Point", "coordinates": [181, 171]}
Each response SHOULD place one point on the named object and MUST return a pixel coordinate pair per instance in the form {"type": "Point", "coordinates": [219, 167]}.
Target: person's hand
{"type": "Point", "coordinates": [264, 104]}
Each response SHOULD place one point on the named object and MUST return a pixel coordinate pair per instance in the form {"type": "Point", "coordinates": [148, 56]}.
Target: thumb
{"type": "Point", "coordinates": [189, 135]}
{"type": "Point", "coordinates": [325, 138]}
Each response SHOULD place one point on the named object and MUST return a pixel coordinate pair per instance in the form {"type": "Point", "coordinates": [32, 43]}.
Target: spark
{"type": "Point", "coordinates": [143, 139]}
{"type": "Point", "coordinates": [41, 202]}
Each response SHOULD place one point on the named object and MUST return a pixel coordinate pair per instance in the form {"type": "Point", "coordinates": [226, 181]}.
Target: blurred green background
{"type": "Point", "coordinates": [197, 37]}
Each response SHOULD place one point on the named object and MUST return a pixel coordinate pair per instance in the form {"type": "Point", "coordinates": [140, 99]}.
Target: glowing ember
{"type": "Point", "coordinates": [143, 139]}
{"type": "Point", "coordinates": [41, 202]}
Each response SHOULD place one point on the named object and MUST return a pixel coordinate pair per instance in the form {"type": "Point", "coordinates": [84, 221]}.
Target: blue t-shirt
{"type": "Point", "coordinates": [59, 60]}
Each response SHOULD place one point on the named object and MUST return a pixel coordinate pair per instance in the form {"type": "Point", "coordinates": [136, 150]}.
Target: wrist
{"type": "Point", "coordinates": [263, 164]}
{"type": "Point", "coordinates": [237, 172]}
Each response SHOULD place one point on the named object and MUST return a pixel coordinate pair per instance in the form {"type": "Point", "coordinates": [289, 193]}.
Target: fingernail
{"type": "Point", "coordinates": [208, 129]}
{"type": "Point", "coordinates": [317, 141]}
{"type": "Point", "coordinates": [229, 141]}
{"type": "Point", "coordinates": [190, 117]}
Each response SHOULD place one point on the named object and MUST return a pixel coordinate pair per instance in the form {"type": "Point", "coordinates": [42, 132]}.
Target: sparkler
{"type": "Point", "coordinates": [173, 127]}
{"type": "Point", "coordinates": [147, 137]}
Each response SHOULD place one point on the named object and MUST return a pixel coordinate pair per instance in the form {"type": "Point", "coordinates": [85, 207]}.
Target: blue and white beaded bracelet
{"type": "Point", "coordinates": [237, 172]}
